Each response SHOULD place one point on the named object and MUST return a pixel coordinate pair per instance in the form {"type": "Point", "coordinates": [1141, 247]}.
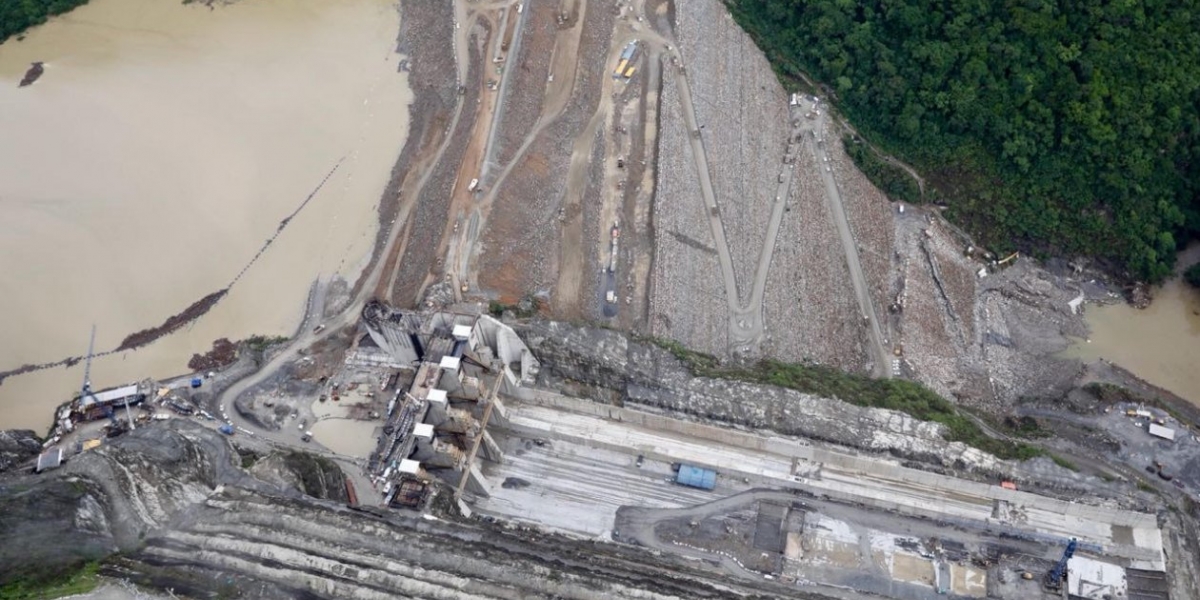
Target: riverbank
{"type": "Point", "coordinates": [147, 225]}
{"type": "Point", "coordinates": [1158, 343]}
{"type": "Point", "coordinates": [430, 66]}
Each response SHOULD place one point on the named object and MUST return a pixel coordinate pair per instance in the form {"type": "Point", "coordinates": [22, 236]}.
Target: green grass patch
{"type": "Point", "coordinates": [66, 581]}
{"type": "Point", "coordinates": [1064, 463]}
{"type": "Point", "coordinates": [248, 458]}
{"type": "Point", "coordinates": [901, 395]}
{"type": "Point", "coordinates": [1025, 427]}
{"type": "Point", "coordinates": [260, 343]}
{"type": "Point", "coordinates": [319, 476]}
{"type": "Point", "coordinates": [528, 307]}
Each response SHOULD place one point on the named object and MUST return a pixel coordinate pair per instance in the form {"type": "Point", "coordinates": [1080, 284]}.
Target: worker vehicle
{"type": "Point", "coordinates": [690, 476]}
{"type": "Point", "coordinates": [1054, 578]}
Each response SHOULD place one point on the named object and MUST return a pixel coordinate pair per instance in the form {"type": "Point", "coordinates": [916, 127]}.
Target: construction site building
{"type": "Point", "coordinates": [436, 428]}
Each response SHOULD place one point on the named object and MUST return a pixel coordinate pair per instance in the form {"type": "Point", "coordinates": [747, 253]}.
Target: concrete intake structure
{"type": "Point", "coordinates": [462, 361]}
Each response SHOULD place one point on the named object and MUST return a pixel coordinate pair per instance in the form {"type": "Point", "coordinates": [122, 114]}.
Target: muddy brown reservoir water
{"type": "Point", "coordinates": [1160, 344]}
{"type": "Point", "coordinates": [158, 151]}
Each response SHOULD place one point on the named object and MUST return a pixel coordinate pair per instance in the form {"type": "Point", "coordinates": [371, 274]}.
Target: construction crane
{"type": "Point", "coordinates": [86, 390]}
{"type": "Point", "coordinates": [1055, 576]}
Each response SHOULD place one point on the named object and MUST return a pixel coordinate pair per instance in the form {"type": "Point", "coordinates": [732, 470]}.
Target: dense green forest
{"type": "Point", "coordinates": [1192, 275]}
{"type": "Point", "coordinates": [894, 182]}
{"type": "Point", "coordinates": [1047, 125]}
{"type": "Point", "coordinates": [18, 15]}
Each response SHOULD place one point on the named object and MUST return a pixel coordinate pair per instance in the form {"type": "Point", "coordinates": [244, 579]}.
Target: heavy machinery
{"type": "Point", "coordinates": [1054, 578]}
{"type": "Point", "coordinates": [115, 427]}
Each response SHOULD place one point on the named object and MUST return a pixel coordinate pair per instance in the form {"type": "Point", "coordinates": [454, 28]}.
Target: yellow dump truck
{"type": "Point", "coordinates": [620, 68]}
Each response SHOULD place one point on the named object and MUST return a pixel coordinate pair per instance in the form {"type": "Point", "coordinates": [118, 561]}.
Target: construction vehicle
{"type": "Point", "coordinates": [620, 68]}
{"type": "Point", "coordinates": [612, 262]}
{"type": "Point", "coordinates": [115, 427]}
{"type": "Point", "coordinates": [1054, 578]}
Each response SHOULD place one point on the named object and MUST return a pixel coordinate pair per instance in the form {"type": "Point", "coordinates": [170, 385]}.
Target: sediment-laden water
{"type": "Point", "coordinates": [159, 150]}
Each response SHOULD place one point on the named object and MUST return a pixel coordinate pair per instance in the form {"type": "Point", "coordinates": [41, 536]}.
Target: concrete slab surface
{"type": "Point", "coordinates": [880, 483]}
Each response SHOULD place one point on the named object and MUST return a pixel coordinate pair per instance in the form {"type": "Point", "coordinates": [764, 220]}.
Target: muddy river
{"type": "Point", "coordinates": [1160, 344]}
{"type": "Point", "coordinates": [162, 146]}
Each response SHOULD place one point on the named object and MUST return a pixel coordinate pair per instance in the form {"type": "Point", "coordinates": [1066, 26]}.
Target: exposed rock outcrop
{"type": "Point", "coordinates": [16, 447]}
{"type": "Point", "coordinates": [607, 366]}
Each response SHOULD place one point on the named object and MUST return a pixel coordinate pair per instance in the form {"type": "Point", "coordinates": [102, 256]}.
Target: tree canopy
{"type": "Point", "coordinates": [1047, 125]}
{"type": "Point", "coordinates": [1192, 276]}
{"type": "Point", "coordinates": [18, 15]}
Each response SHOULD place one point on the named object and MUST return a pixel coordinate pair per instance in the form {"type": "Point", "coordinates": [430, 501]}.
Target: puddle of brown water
{"type": "Point", "coordinates": [161, 147]}
{"type": "Point", "coordinates": [346, 436]}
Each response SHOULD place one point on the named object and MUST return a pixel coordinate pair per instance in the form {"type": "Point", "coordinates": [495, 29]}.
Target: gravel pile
{"type": "Point", "coordinates": [428, 220]}
{"type": "Point", "coordinates": [526, 89]}
{"type": "Point", "coordinates": [521, 246]}
{"type": "Point", "coordinates": [810, 308]}
{"type": "Point", "coordinates": [430, 64]}
{"type": "Point", "coordinates": [871, 219]}
{"type": "Point", "coordinates": [591, 294]}
{"type": "Point", "coordinates": [687, 297]}
{"type": "Point", "coordinates": [984, 342]}
{"type": "Point", "coordinates": [1023, 321]}
{"type": "Point", "coordinates": [519, 250]}
{"type": "Point", "coordinates": [423, 33]}
{"type": "Point", "coordinates": [742, 112]}
{"type": "Point", "coordinates": [933, 345]}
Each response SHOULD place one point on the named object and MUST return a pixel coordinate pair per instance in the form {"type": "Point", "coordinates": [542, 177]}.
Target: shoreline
{"type": "Point", "coordinates": [170, 330]}
{"type": "Point", "coordinates": [433, 100]}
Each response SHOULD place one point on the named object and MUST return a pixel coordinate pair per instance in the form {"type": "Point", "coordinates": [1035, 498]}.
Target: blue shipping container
{"type": "Point", "coordinates": [696, 477]}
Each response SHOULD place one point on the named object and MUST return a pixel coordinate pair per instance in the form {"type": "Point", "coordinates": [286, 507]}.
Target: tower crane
{"type": "Point", "coordinates": [86, 390]}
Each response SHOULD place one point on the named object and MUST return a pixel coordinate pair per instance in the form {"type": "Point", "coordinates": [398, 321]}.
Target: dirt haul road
{"type": "Point", "coordinates": [462, 257]}
{"type": "Point", "coordinates": [882, 356]}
